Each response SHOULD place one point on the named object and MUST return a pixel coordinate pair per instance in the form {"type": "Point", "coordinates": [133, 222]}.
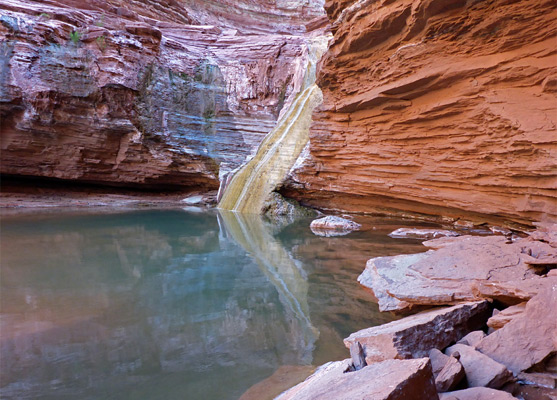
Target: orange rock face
{"type": "Point", "coordinates": [436, 107]}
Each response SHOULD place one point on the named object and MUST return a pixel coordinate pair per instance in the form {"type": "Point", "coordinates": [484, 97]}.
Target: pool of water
{"type": "Point", "coordinates": [177, 304]}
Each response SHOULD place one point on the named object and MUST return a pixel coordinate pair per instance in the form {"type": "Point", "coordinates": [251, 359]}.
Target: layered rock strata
{"type": "Point", "coordinates": [145, 94]}
{"type": "Point", "coordinates": [436, 107]}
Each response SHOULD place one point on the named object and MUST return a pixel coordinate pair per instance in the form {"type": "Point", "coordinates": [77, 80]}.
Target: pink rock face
{"type": "Point", "coordinates": [149, 94]}
{"type": "Point", "coordinates": [436, 107]}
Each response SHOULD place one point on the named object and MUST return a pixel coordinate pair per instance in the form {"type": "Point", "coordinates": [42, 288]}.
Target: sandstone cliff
{"type": "Point", "coordinates": [436, 107]}
{"type": "Point", "coordinates": [145, 93]}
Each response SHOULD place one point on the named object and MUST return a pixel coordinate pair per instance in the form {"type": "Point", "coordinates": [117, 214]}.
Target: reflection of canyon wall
{"type": "Point", "coordinates": [127, 297]}
{"type": "Point", "coordinates": [436, 107]}
{"type": "Point", "coordinates": [143, 93]}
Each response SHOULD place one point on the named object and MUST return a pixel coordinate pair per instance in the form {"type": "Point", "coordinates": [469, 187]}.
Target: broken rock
{"type": "Point", "coordinates": [416, 335]}
{"type": "Point", "coordinates": [473, 338]}
{"type": "Point", "coordinates": [529, 338]}
{"type": "Point", "coordinates": [480, 370]}
{"type": "Point", "coordinates": [450, 376]}
{"type": "Point", "coordinates": [499, 320]}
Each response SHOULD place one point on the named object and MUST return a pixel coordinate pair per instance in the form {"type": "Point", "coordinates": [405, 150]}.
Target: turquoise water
{"type": "Point", "coordinates": [176, 304]}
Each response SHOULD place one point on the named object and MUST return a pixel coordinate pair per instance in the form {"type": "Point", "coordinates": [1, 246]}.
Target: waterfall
{"type": "Point", "coordinates": [252, 184]}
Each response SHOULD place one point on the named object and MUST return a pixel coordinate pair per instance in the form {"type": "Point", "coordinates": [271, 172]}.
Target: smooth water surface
{"type": "Point", "coordinates": [175, 304]}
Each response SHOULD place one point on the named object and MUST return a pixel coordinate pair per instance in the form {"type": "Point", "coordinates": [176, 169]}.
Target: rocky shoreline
{"type": "Point", "coordinates": [498, 340]}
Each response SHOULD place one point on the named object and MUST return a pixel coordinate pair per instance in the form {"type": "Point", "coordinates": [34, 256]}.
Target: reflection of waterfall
{"type": "Point", "coordinates": [276, 263]}
{"type": "Point", "coordinates": [250, 186]}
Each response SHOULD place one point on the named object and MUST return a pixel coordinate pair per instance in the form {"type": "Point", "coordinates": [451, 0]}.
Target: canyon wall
{"type": "Point", "coordinates": [436, 107]}
{"type": "Point", "coordinates": [151, 94]}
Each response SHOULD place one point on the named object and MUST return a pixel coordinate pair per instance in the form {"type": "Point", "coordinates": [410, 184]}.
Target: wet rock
{"type": "Point", "coordinates": [472, 339]}
{"type": "Point", "coordinates": [538, 379]}
{"type": "Point", "coordinates": [412, 233]}
{"type": "Point", "coordinates": [278, 207]}
{"type": "Point", "coordinates": [529, 338]}
{"type": "Point", "coordinates": [529, 392]}
{"type": "Point", "coordinates": [480, 369]}
{"type": "Point", "coordinates": [458, 269]}
{"type": "Point", "coordinates": [332, 225]}
{"type": "Point", "coordinates": [477, 393]}
{"type": "Point", "coordinates": [416, 335]}
{"type": "Point", "coordinates": [198, 199]}
{"type": "Point", "coordinates": [497, 321]}
{"type": "Point", "coordinates": [388, 380]}
{"type": "Point", "coordinates": [450, 376]}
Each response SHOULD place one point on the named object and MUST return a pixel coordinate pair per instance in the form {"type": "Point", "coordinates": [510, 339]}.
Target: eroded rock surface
{"type": "Point", "coordinates": [461, 269]}
{"type": "Point", "coordinates": [436, 107]}
{"type": "Point", "coordinates": [143, 93]}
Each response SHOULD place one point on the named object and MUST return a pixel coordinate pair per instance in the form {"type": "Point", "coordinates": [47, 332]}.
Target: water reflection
{"type": "Point", "coordinates": [173, 305]}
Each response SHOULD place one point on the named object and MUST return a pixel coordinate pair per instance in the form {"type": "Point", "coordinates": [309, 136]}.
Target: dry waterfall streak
{"type": "Point", "coordinates": [252, 184]}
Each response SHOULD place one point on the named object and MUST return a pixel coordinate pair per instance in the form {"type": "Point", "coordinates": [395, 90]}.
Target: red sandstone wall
{"type": "Point", "coordinates": [436, 107]}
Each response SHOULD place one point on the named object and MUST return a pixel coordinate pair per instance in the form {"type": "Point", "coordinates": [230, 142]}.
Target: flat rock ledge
{"type": "Point", "coordinates": [413, 233]}
{"type": "Point", "coordinates": [464, 268]}
{"type": "Point", "coordinates": [332, 225]}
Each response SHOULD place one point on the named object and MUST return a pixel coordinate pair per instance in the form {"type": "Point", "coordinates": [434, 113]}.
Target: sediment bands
{"type": "Point", "coordinates": [436, 107]}
{"type": "Point", "coordinates": [147, 94]}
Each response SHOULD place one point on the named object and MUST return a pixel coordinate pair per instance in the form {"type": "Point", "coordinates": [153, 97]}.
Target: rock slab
{"type": "Point", "coordinates": [388, 380]}
{"type": "Point", "coordinates": [416, 335]}
{"type": "Point", "coordinates": [481, 371]}
{"type": "Point", "coordinates": [459, 269]}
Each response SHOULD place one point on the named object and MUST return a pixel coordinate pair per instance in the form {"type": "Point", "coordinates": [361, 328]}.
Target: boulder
{"type": "Point", "coordinates": [416, 335]}
{"type": "Point", "coordinates": [388, 380]}
{"type": "Point", "coordinates": [413, 233]}
{"type": "Point", "coordinates": [438, 360]}
{"type": "Point", "coordinates": [450, 376]}
{"type": "Point", "coordinates": [529, 338]}
{"type": "Point", "coordinates": [477, 393]}
{"type": "Point", "coordinates": [332, 225]}
{"type": "Point", "coordinates": [499, 320]}
{"type": "Point", "coordinates": [458, 269]}
{"type": "Point", "coordinates": [472, 339]}
{"type": "Point", "coordinates": [480, 370]}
